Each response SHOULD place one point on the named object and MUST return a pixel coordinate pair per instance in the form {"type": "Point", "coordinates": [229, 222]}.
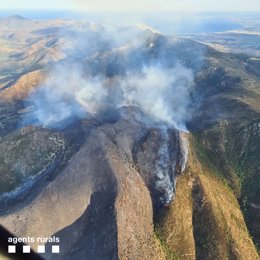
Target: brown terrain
{"type": "Point", "coordinates": [93, 183]}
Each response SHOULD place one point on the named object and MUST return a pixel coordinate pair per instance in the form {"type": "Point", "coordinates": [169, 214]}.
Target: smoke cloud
{"type": "Point", "coordinates": [106, 72]}
{"type": "Point", "coordinates": [164, 178]}
{"type": "Point", "coordinates": [161, 94]}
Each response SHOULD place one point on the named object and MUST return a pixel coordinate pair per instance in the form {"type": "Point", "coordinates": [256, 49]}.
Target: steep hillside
{"type": "Point", "coordinates": [110, 210]}
{"type": "Point", "coordinates": [128, 144]}
{"type": "Point", "coordinates": [231, 149]}
{"type": "Point", "coordinates": [23, 86]}
{"type": "Point", "coordinates": [205, 220]}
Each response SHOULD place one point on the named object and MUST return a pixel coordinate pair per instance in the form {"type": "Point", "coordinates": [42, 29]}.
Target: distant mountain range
{"type": "Point", "coordinates": [112, 177]}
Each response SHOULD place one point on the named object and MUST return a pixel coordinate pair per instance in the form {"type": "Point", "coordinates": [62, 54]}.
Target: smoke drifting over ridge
{"type": "Point", "coordinates": [161, 94]}
{"type": "Point", "coordinates": [134, 68]}
{"type": "Point", "coordinates": [107, 68]}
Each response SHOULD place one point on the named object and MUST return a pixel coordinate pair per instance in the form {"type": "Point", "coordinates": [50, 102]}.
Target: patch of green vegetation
{"type": "Point", "coordinates": [7, 181]}
{"type": "Point", "coordinates": [170, 255]}
{"type": "Point", "coordinates": [27, 153]}
{"type": "Point", "coordinates": [231, 150]}
{"type": "Point", "coordinates": [208, 159]}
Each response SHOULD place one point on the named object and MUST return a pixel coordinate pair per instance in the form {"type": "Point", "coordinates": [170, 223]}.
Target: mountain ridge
{"type": "Point", "coordinates": [107, 180]}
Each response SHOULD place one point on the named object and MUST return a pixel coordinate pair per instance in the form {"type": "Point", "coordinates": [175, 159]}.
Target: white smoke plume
{"type": "Point", "coordinates": [161, 94]}
{"type": "Point", "coordinates": [66, 95]}
{"type": "Point", "coordinates": [184, 146]}
{"type": "Point", "coordinates": [163, 167]}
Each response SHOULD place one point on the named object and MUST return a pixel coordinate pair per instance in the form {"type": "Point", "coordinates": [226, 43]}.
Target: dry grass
{"type": "Point", "coordinates": [205, 220]}
{"type": "Point", "coordinates": [175, 226]}
{"type": "Point", "coordinates": [24, 85]}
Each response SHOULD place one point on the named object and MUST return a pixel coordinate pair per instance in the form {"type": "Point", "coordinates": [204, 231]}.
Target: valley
{"type": "Point", "coordinates": [130, 144]}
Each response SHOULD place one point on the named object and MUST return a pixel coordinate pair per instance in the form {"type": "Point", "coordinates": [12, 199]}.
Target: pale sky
{"type": "Point", "coordinates": [134, 5]}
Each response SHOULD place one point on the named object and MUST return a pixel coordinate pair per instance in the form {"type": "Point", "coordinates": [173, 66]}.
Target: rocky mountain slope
{"type": "Point", "coordinates": [116, 184]}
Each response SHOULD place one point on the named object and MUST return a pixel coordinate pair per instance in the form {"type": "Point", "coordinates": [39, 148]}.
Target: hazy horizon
{"type": "Point", "coordinates": [135, 5]}
{"type": "Point", "coordinates": [167, 22]}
